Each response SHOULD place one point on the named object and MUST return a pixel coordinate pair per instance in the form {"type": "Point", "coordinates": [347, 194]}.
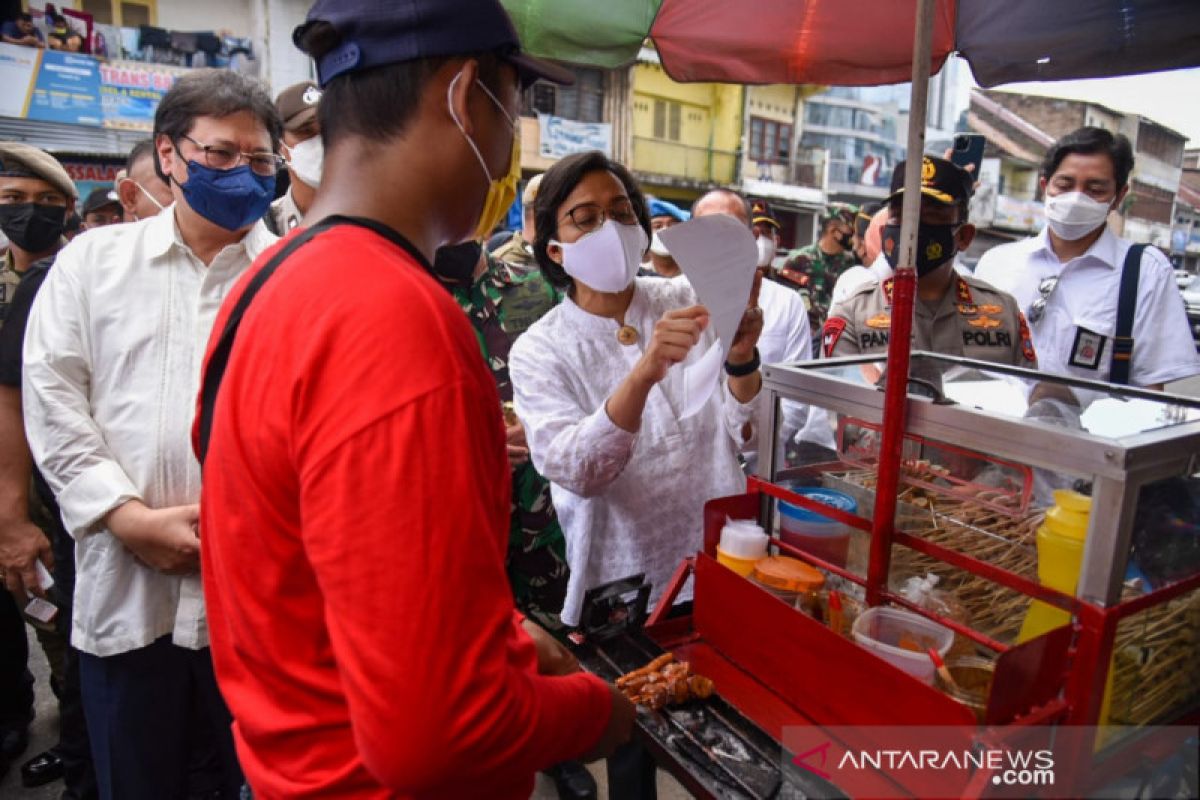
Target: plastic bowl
{"type": "Point", "coordinates": [816, 533]}
{"type": "Point", "coordinates": [886, 632]}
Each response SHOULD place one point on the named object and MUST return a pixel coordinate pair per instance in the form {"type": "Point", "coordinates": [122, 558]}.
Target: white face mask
{"type": "Point", "coordinates": [766, 250]}
{"type": "Point", "coordinates": [1073, 215]}
{"type": "Point", "coordinates": [657, 247]}
{"type": "Point", "coordinates": [607, 259]}
{"type": "Point", "coordinates": [306, 160]}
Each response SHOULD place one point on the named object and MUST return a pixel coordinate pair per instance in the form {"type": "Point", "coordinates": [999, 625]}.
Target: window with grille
{"type": "Point", "coordinates": [583, 102]}
{"type": "Point", "coordinates": [770, 141]}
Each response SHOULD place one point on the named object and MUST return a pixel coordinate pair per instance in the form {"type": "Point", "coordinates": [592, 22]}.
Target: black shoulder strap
{"type": "Point", "coordinates": [1122, 356]}
{"type": "Point", "coordinates": [214, 372]}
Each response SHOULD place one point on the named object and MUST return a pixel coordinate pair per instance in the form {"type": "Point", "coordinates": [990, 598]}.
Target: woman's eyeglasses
{"type": "Point", "coordinates": [589, 217]}
{"type": "Point", "coordinates": [1037, 309]}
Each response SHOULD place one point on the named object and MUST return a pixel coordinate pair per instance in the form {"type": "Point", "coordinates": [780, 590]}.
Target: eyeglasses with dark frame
{"type": "Point", "coordinates": [216, 157]}
{"type": "Point", "coordinates": [588, 217]}
{"type": "Point", "coordinates": [1037, 308]}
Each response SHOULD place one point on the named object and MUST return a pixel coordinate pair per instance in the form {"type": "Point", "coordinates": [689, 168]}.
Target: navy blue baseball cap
{"type": "Point", "coordinates": [378, 32]}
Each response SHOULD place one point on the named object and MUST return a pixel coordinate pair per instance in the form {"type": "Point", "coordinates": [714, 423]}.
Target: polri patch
{"type": "Point", "coordinates": [1087, 349]}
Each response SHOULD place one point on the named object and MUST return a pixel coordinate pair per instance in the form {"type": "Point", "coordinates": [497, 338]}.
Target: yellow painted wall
{"type": "Point", "coordinates": [710, 128]}
{"type": "Point", "coordinates": [772, 102]}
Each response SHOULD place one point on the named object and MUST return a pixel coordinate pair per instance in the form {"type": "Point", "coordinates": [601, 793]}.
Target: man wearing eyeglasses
{"type": "Point", "coordinates": [954, 314]}
{"type": "Point", "coordinates": [1071, 278]}
{"type": "Point", "coordinates": [111, 369]}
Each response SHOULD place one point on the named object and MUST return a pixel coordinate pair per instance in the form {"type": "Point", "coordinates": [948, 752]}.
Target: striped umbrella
{"type": "Point", "coordinates": [865, 42]}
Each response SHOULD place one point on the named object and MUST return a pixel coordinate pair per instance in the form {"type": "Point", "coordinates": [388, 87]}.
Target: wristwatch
{"type": "Point", "coordinates": [742, 370]}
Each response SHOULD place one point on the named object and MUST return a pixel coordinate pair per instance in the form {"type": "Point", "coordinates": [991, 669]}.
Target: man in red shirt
{"type": "Point", "coordinates": [354, 516]}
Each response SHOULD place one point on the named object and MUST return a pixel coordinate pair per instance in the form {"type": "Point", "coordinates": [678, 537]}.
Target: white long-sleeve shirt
{"type": "Point", "coordinates": [112, 354]}
{"type": "Point", "coordinates": [628, 502]}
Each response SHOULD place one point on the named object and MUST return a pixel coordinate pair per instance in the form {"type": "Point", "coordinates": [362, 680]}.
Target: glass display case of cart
{"type": "Point", "coordinates": [1086, 488]}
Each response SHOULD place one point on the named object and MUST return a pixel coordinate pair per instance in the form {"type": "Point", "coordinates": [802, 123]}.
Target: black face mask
{"type": "Point", "coordinates": [457, 262]}
{"type": "Point", "coordinates": [33, 227]}
{"type": "Point", "coordinates": [844, 240]}
{"type": "Point", "coordinates": [935, 246]}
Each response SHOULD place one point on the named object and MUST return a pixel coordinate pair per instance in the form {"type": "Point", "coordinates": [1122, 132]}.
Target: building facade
{"type": "Point", "coordinates": [775, 168]}
{"type": "Point", "coordinates": [1147, 214]}
{"type": "Point", "coordinates": [89, 108]}
{"type": "Point", "coordinates": [685, 138]}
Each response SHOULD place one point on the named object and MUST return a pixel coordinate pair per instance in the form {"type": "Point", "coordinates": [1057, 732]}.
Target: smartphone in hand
{"type": "Point", "coordinates": [968, 150]}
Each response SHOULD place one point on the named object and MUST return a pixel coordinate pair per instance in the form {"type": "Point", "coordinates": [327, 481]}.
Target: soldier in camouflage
{"type": "Point", "coordinates": [517, 252]}
{"type": "Point", "coordinates": [502, 305]}
{"type": "Point", "coordinates": [818, 266]}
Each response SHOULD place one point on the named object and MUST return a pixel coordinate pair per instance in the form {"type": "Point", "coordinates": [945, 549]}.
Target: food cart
{"type": "Point", "coordinates": [983, 449]}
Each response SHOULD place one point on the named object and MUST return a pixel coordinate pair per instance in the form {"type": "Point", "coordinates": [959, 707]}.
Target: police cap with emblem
{"type": "Point", "coordinates": [297, 105]}
{"type": "Point", "coordinates": [760, 214]}
{"type": "Point", "coordinates": [941, 181]}
{"type": "Point", "coordinates": [18, 160]}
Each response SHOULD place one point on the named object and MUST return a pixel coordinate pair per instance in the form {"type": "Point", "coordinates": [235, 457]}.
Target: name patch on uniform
{"type": "Point", "coordinates": [1087, 349]}
{"type": "Point", "coordinates": [870, 339]}
{"type": "Point", "coordinates": [984, 322]}
{"type": "Point", "coordinates": [880, 321]}
{"type": "Point", "coordinates": [987, 338]}
{"type": "Point", "coordinates": [834, 326]}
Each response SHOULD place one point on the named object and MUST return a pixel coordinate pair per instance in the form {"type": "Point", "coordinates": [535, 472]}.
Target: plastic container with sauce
{"type": "Point", "coordinates": [743, 543]}
{"type": "Point", "coordinates": [792, 581]}
{"type": "Point", "coordinates": [902, 638]}
{"type": "Point", "coordinates": [816, 533]}
{"type": "Point", "coordinates": [973, 682]}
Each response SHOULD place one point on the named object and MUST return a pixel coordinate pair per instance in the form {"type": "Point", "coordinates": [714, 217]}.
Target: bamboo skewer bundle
{"type": "Point", "coordinates": [960, 524]}
{"type": "Point", "coordinates": [1156, 666]}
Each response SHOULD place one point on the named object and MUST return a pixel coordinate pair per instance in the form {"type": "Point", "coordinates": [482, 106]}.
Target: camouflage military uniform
{"type": "Point", "coordinates": [517, 254]}
{"type": "Point", "coordinates": [822, 271]}
{"type": "Point", "coordinates": [973, 320]}
{"type": "Point", "coordinates": [10, 279]}
{"type": "Point", "coordinates": [501, 306]}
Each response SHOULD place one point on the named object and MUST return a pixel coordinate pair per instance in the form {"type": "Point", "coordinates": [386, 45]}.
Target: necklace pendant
{"type": "Point", "coordinates": [627, 335]}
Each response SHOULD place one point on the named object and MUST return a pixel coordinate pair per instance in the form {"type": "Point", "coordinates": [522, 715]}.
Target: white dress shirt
{"type": "Point", "coordinates": [851, 279]}
{"type": "Point", "coordinates": [1086, 298]}
{"type": "Point", "coordinates": [628, 502]}
{"type": "Point", "coordinates": [113, 354]}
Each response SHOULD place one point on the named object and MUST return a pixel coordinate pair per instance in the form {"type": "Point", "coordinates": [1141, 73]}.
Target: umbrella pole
{"type": "Point", "coordinates": [899, 344]}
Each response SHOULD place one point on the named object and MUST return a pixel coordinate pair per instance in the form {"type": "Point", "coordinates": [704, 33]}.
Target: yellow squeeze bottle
{"type": "Point", "coordinates": [1060, 542]}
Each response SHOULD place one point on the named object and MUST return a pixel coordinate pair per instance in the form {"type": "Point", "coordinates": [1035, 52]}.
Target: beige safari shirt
{"type": "Point", "coordinates": [972, 320]}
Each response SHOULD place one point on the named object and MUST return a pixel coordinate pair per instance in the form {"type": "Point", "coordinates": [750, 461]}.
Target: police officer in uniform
{"type": "Point", "coordinates": [954, 314]}
{"type": "Point", "coordinates": [303, 152]}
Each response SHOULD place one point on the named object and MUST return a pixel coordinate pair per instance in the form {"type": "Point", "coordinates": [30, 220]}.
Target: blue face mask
{"type": "Point", "coordinates": [229, 198]}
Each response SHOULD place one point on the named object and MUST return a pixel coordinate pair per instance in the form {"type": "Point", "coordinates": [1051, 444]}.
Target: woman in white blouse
{"type": "Point", "coordinates": [598, 386]}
